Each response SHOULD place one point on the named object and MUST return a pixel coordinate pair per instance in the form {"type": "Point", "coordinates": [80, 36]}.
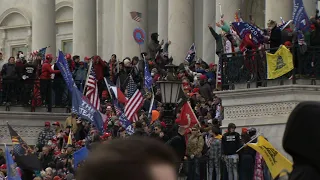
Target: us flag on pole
{"type": "Point", "coordinates": [92, 90]}
{"type": "Point", "coordinates": [136, 16]}
{"type": "Point", "coordinates": [135, 101]}
{"type": "Point", "coordinates": [219, 71]}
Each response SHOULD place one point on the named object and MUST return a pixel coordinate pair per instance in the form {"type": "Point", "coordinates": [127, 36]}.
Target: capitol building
{"type": "Point", "coordinates": [104, 27]}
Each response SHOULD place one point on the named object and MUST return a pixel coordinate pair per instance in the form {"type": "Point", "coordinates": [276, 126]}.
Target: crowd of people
{"type": "Point", "coordinates": [203, 150]}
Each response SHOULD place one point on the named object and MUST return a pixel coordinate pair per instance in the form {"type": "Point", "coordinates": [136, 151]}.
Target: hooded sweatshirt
{"type": "Point", "coordinates": [300, 141]}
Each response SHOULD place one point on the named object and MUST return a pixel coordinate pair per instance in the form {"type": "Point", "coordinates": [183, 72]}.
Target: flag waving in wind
{"type": "Point", "coordinates": [300, 17]}
{"type": "Point", "coordinates": [135, 101]}
{"type": "Point", "coordinates": [136, 16]}
{"type": "Point", "coordinates": [92, 89]}
{"type": "Point", "coordinates": [191, 53]}
{"type": "Point", "coordinates": [65, 70]}
{"type": "Point", "coordinates": [12, 173]}
{"type": "Point", "coordinates": [243, 28]}
{"type": "Point", "coordinates": [147, 76]}
{"type": "Point", "coordinates": [275, 161]}
{"type": "Point", "coordinates": [24, 155]}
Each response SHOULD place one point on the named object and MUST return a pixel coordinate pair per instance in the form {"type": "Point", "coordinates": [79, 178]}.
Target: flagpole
{"type": "Point", "coordinates": [87, 79]}
{"type": "Point", "coordinates": [108, 87]}
{"type": "Point", "coordinates": [248, 143]}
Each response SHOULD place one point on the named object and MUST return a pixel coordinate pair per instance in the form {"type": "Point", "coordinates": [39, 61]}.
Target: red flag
{"type": "Point", "coordinates": [187, 117]}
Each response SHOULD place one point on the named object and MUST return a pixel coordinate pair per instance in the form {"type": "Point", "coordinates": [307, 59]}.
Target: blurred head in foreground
{"type": "Point", "coordinates": [132, 158]}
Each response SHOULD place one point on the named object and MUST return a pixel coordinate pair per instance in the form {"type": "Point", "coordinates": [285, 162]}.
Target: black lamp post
{"type": "Point", "coordinates": [170, 88]}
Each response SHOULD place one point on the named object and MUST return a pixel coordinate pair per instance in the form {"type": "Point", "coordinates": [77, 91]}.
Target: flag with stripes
{"type": "Point", "coordinates": [219, 71]}
{"type": "Point", "coordinates": [191, 53]}
{"type": "Point", "coordinates": [136, 16]}
{"type": "Point", "coordinates": [135, 101]}
{"type": "Point", "coordinates": [92, 90]}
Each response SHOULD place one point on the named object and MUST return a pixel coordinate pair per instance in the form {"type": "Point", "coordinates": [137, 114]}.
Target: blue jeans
{"type": "Point", "coordinates": [232, 166]}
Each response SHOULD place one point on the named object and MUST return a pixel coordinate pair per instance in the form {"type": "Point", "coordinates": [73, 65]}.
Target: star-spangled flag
{"type": "Point", "coordinates": [191, 53]}
{"type": "Point", "coordinates": [135, 101]}
{"type": "Point", "coordinates": [136, 16]}
{"type": "Point", "coordinates": [92, 89]}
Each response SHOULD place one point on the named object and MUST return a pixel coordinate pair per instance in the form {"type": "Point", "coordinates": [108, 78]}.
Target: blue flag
{"type": "Point", "coordinates": [80, 155]}
{"type": "Point", "coordinates": [126, 123]}
{"type": "Point", "coordinates": [147, 76]}
{"type": "Point", "coordinates": [12, 173]}
{"type": "Point", "coordinates": [242, 28]}
{"type": "Point", "coordinates": [42, 53]}
{"type": "Point", "coordinates": [191, 53]}
{"type": "Point", "coordinates": [300, 17]}
{"type": "Point", "coordinates": [65, 71]}
{"type": "Point", "coordinates": [82, 107]}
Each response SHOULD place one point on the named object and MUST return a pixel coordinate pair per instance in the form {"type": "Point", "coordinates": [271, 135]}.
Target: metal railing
{"type": "Point", "coordinates": [36, 93]}
{"type": "Point", "coordinates": [251, 67]}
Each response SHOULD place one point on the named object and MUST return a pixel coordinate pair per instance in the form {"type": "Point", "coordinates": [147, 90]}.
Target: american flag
{"type": "Point", "coordinates": [136, 16]}
{"type": "Point", "coordinates": [219, 71]}
{"type": "Point", "coordinates": [118, 109]}
{"type": "Point", "coordinates": [135, 101]}
{"type": "Point", "coordinates": [191, 53]}
{"type": "Point", "coordinates": [92, 90]}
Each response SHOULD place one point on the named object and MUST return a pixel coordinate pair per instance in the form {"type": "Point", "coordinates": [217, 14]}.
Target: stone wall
{"type": "Point", "coordinates": [266, 109]}
{"type": "Point", "coordinates": [27, 124]}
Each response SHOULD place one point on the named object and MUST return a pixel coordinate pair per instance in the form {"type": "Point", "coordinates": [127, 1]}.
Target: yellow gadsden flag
{"type": "Point", "coordinates": [275, 161]}
{"type": "Point", "coordinates": [279, 63]}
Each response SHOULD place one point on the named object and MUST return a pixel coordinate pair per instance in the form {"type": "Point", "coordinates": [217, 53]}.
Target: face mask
{"type": "Point", "coordinates": [152, 74]}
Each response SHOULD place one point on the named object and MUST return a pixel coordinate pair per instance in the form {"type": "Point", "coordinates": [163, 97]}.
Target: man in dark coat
{"type": "Point", "coordinates": [178, 143]}
{"type": "Point", "coordinates": [299, 139]}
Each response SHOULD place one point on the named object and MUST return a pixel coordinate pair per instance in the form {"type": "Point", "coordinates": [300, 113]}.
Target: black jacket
{"type": "Point", "coordinates": [178, 143]}
{"type": "Point", "coordinates": [230, 143]}
{"type": "Point", "coordinates": [300, 141]}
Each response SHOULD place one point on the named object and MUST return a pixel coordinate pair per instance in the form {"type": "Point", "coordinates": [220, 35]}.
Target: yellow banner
{"type": "Point", "coordinates": [279, 63]}
{"type": "Point", "coordinates": [275, 161]}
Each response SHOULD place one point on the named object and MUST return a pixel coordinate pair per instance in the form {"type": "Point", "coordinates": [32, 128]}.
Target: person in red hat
{"type": "Point", "coordinates": [99, 66]}
{"type": "Point", "coordinates": [45, 79]}
{"type": "Point", "coordinates": [70, 62]}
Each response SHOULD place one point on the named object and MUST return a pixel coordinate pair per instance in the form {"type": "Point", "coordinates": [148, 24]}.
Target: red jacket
{"type": "Point", "coordinates": [99, 69]}
{"type": "Point", "coordinates": [46, 70]}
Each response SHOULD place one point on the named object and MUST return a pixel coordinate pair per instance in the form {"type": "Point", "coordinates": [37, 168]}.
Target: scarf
{"type": "Point", "coordinates": [258, 169]}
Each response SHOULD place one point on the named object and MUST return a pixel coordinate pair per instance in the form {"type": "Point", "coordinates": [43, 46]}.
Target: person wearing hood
{"type": "Point", "coordinates": [300, 141]}
{"type": "Point", "coordinates": [154, 46]}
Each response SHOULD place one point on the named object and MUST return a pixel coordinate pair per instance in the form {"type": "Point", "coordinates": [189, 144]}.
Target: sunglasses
{"type": "Point", "coordinates": [156, 129]}
{"type": "Point", "coordinates": [194, 130]}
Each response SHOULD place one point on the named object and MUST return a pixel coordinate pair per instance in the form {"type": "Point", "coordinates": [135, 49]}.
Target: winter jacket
{"type": "Point", "coordinates": [80, 74]}
{"type": "Point", "coordinates": [218, 38]}
{"type": "Point", "coordinates": [275, 38]}
{"type": "Point", "coordinates": [9, 72]}
{"type": "Point", "coordinates": [99, 69]}
{"type": "Point", "coordinates": [195, 145]}
{"type": "Point", "coordinates": [178, 144]}
{"type": "Point", "coordinates": [47, 70]}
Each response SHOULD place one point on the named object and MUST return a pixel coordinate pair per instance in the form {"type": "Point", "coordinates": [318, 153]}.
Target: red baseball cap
{"type": "Point", "coordinates": [3, 166]}
{"type": "Point", "coordinates": [56, 123]}
{"type": "Point", "coordinates": [47, 124]}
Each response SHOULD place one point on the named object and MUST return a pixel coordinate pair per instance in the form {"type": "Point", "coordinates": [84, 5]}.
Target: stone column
{"type": "Point", "coordinates": [108, 34]}
{"type": "Point", "coordinates": [129, 47]}
{"type": "Point", "coordinates": [276, 9]}
{"type": "Point", "coordinates": [84, 28]}
{"type": "Point", "coordinates": [163, 19]}
{"type": "Point", "coordinates": [44, 25]}
{"type": "Point", "coordinates": [228, 8]}
{"type": "Point", "coordinates": [28, 42]}
{"type": "Point", "coordinates": [208, 42]}
{"type": "Point", "coordinates": [180, 28]}
{"type": "Point", "coordinates": [311, 6]}
{"type": "Point", "coordinates": [118, 28]}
